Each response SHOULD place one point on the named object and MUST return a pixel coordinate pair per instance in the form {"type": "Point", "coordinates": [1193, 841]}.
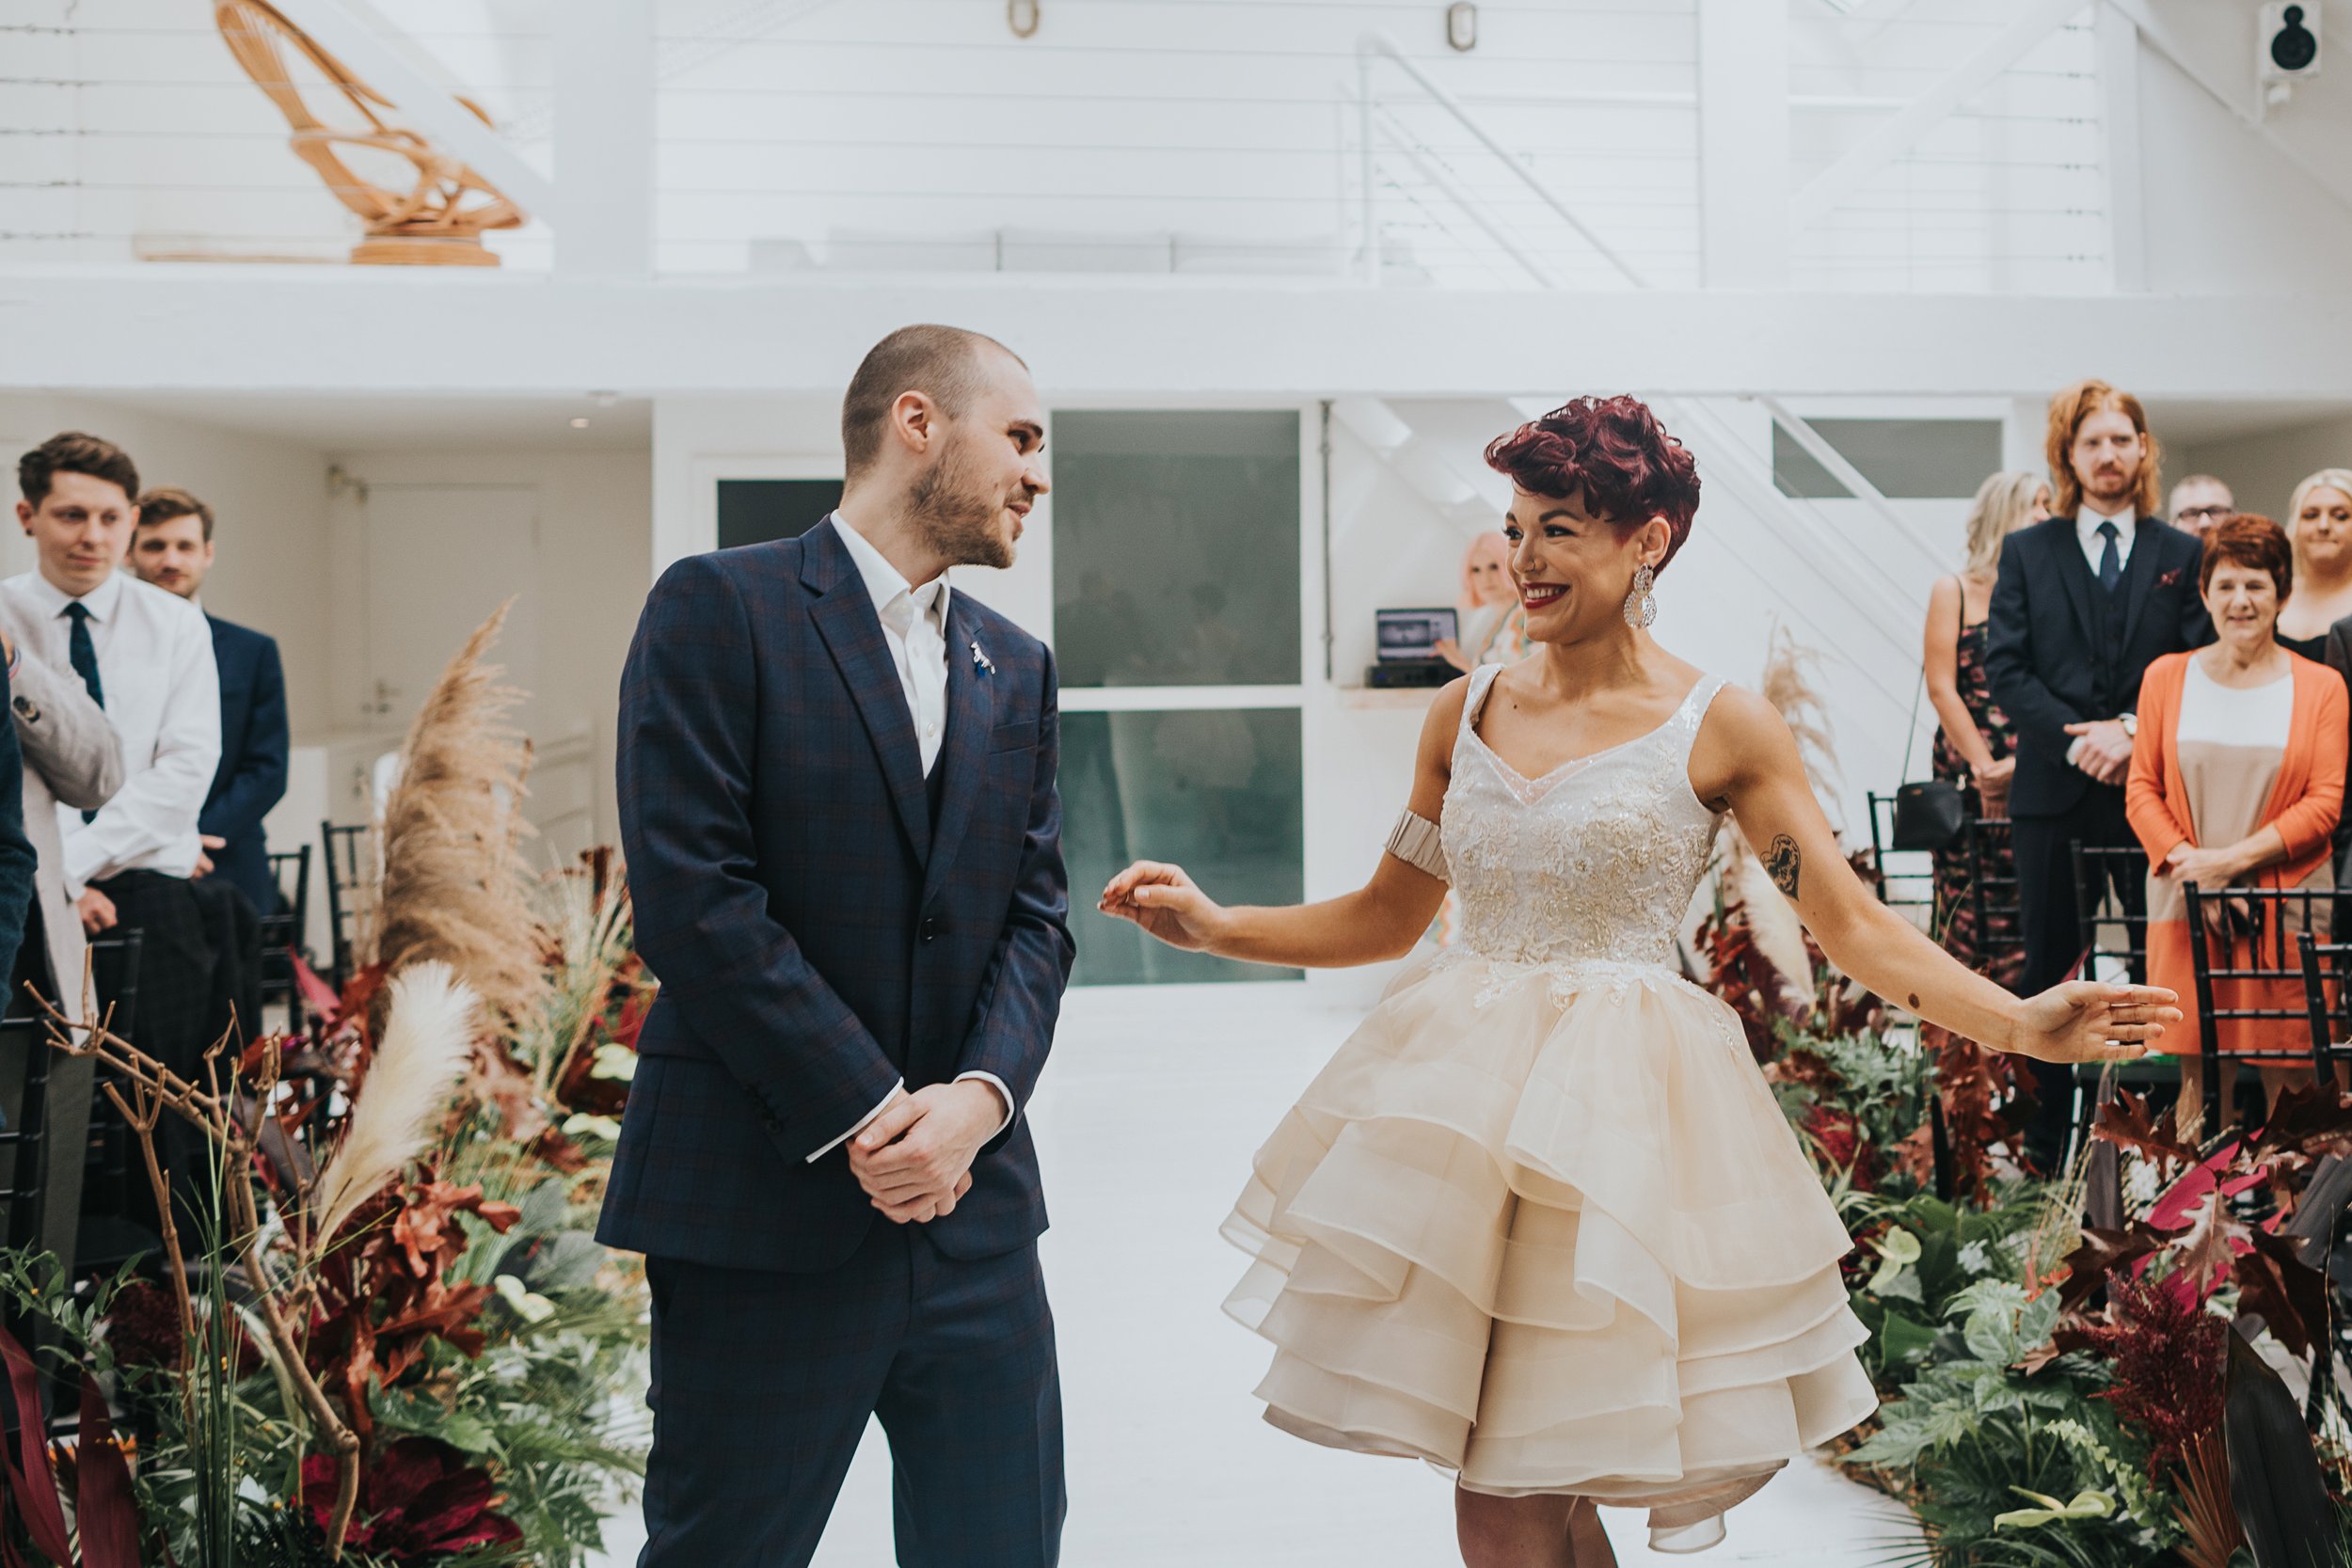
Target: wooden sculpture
{"type": "Point", "coordinates": [440, 220]}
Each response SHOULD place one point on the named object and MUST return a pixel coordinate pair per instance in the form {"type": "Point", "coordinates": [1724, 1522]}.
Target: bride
{"type": "Point", "coordinates": [1539, 1221]}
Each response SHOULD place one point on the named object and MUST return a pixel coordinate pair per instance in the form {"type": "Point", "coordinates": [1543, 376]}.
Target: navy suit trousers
{"type": "Point", "coordinates": [762, 1383]}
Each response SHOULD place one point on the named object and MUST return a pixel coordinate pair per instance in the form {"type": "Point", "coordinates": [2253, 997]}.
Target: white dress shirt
{"type": "Point", "coordinates": [914, 624]}
{"type": "Point", "coordinates": [162, 695]}
{"type": "Point", "coordinates": [2087, 523]}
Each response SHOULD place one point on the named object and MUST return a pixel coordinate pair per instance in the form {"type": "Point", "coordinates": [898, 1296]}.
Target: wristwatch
{"type": "Point", "coordinates": [2131, 724]}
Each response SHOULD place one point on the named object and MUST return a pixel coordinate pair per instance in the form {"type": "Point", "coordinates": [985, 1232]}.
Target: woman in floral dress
{"type": "Point", "coordinates": [1975, 743]}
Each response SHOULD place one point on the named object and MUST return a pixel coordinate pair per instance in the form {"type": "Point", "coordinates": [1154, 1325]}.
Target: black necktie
{"type": "Point", "coordinates": [84, 654]}
{"type": "Point", "coordinates": [2110, 559]}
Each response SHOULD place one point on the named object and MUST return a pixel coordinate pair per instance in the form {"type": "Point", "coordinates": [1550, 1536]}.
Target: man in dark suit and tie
{"type": "Point", "coordinates": [2084, 603]}
{"type": "Point", "coordinates": [844, 841]}
{"type": "Point", "coordinates": [174, 549]}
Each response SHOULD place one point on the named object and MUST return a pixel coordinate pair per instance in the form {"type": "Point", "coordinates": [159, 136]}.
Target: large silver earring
{"type": "Point", "coordinates": [1640, 605]}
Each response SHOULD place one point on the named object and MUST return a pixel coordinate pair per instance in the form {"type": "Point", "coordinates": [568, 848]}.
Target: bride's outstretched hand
{"type": "Point", "coordinates": [2087, 1021]}
{"type": "Point", "coordinates": [1164, 901]}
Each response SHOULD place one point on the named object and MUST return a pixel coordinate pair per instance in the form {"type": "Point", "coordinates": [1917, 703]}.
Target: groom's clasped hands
{"type": "Point", "coordinates": [914, 1158]}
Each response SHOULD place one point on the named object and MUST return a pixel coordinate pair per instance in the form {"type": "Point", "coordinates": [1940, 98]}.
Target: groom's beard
{"type": "Point", "coordinates": [955, 518]}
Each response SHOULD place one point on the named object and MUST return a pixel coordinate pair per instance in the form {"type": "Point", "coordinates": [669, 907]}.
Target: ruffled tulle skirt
{"type": "Point", "coordinates": [1547, 1228]}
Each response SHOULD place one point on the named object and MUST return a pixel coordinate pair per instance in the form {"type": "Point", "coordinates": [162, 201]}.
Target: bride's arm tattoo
{"type": "Point", "coordinates": [1782, 862]}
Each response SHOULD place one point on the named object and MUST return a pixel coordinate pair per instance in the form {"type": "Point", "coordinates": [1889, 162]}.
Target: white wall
{"type": "Point", "coordinates": [269, 502]}
{"type": "Point", "coordinates": [595, 544]}
{"type": "Point", "coordinates": [2262, 470]}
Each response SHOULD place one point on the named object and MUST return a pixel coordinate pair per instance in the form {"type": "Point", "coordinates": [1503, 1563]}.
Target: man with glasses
{"type": "Point", "coordinates": [2200, 501]}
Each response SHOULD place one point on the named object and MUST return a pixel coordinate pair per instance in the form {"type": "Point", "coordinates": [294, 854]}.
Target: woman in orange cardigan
{"type": "Point", "coordinates": [2236, 780]}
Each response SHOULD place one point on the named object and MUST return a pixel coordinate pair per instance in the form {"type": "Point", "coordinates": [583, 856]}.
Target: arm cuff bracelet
{"type": "Point", "coordinates": [1415, 841]}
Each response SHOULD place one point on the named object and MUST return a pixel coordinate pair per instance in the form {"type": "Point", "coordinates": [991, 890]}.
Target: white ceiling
{"type": "Point", "coordinates": [342, 423]}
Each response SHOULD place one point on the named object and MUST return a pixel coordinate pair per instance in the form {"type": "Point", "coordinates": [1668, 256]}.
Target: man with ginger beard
{"type": "Point", "coordinates": [2084, 603]}
{"type": "Point", "coordinates": [843, 840]}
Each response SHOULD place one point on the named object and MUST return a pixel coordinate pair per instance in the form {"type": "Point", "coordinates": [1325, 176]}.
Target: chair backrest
{"type": "Point", "coordinates": [1991, 893]}
{"type": "Point", "coordinates": [115, 963]}
{"type": "Point", "coordinates": [2096, 867]}
{"type": "Point", "coordinates": [2279, 917]}
{"type": "Point", "coordinates": [2327, 998]}
{"type": "Point", "coordinates": [281, 933]}
{"type": "Point", "coordinates": [1905, 878]}
{"type": "Point", "coordinates": [24, 1169]}
{"type": "Point", "coordinates": [344, 846]}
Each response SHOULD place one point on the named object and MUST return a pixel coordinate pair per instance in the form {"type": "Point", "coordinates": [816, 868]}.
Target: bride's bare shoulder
{"type": "Point", "coordinates": [1445, 714]}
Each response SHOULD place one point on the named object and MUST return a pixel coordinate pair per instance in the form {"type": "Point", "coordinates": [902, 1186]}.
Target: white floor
{"type": "Point", "coordinates": [1146, 1121]}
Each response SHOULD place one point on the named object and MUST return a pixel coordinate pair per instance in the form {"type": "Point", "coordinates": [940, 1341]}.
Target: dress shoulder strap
{"type": "Point", "coordinates": [1684, 725]}
{"type": "Point", "coordinates": [1482, 681]}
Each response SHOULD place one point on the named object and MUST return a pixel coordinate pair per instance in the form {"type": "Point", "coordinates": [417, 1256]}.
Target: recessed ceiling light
{"type": "Point", "coordinates": [580, 424]}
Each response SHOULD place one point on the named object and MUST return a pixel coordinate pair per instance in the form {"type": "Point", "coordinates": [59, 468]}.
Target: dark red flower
{"type": "Point", "coordinates": [419, 1499]}
{"type": "Point", "coordinates": [143, 1327]}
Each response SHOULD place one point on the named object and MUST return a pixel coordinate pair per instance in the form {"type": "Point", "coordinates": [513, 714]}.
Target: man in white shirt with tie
{"type": "Point", "coordinates": [146, 657]}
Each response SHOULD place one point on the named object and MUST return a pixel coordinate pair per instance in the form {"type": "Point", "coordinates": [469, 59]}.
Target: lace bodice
{"type": "Point", "coordinates": [1595, 861]}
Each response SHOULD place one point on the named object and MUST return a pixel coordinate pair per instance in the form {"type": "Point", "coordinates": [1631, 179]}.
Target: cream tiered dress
{"type": "Point", "coordinates": [1540, 1221]}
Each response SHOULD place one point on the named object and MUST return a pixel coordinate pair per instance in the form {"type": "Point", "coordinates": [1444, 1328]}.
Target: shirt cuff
{"type": "Point", "coordinates": [1002, 1093]}
{"type": "Point", "coordinates": [860, 1125]}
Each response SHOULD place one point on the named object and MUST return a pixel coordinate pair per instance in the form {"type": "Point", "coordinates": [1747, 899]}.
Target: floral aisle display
{"type": "Point", "coordinates": [2056, 1394]}
{"type": "Point", "coordinates": [391, 1338]}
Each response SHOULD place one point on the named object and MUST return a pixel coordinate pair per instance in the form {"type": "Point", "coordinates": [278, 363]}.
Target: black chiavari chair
{"type": "Point", "coordinates": [344, 846]}
{"type": "Point", "coordinates": [2095, 868]}
{"type": "Point", "coordinates": [282, 932]}
{"type": "Point", "coordinates": [2265, 977]}
{"type": "Point", "coordinates": [110, 1236]}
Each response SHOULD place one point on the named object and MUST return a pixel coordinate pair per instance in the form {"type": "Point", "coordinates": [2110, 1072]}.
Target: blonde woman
{"type": "Point", "coordinates": [1494, 628]}
{"type": "Point", "coordinates": [2319, 526]}
{"type": "Point", "coordinates": [1975, 744]}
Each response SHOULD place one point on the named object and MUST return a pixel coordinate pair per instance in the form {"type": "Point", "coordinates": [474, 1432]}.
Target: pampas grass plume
{"type": "Point", "coordinates": [428, 1038]}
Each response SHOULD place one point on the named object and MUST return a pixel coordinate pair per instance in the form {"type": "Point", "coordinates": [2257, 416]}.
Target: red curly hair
{"type": "Point", "coordinates": [1613, 453]}
{"type": "Point", "coordinates": [2250, 539]}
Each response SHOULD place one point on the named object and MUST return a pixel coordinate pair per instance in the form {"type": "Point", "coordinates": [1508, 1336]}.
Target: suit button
{"type": "Point", "coordinates": [928, 930]}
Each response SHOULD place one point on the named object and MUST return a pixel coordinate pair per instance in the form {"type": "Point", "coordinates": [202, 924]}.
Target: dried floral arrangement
{"type": "Point", "coordinates": [389, 1338]}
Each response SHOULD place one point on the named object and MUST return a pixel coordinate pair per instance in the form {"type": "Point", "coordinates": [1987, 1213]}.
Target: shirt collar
{"type": "Point", "coordinates": [885, 583]}
{"type": "Point", "coordinates": [2087, 522]}
{"type": "Point", "coordinates": [99, 601]}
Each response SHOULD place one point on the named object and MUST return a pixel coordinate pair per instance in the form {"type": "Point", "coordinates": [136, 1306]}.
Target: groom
{"type": "Point", "coordinates": [837, 800]}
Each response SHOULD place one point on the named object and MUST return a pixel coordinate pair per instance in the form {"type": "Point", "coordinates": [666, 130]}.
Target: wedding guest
{"type": "Point", "coordinates": [146, 657]}
{"type": "Point", "coordinates": [2083, 604]}
{"type": "Point", "coordinates": [2237, 781]}
{"type": "Point", "coordinates": [1975, 743]}
{"type": "Point", "coordinates": [174, 549]}
{"type": "Point", "coordinates": [71, 757]}
{"type": "Point", "coordinates": [2319, 526]}
{"type": "Point", "coordinates": [1494, 626]}
{"type": "Point", "coordinates": [2200, 501]}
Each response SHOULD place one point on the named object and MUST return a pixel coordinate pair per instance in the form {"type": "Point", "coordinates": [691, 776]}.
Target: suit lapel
{"type": "Point", "coordinates": [852, 633]}
{"type": "Point", "coordinates": [2139, 572]}
{"type": "Point", "coordinates": [2075, 572]}
{"type": "Point", "coordinates": [970, 715]}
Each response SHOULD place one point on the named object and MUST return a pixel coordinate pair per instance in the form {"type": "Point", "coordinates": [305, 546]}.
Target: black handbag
{"type": "Point", "coordinates": [1930, 814]}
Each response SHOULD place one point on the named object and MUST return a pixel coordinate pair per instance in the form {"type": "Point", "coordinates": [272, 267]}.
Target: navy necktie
{"type": "Point", "coordinates": [2110, 559]}
{"type": "Point", "coordinates": [84, 653]}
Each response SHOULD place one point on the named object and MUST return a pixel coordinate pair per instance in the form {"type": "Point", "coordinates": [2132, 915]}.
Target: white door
{"type": "Point", "coordinates": [439, 558]}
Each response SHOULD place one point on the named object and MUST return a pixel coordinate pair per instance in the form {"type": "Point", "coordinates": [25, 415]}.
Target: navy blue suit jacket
{"type": "Point", "coordinates": [2040, 643]}
{"type": "Point", "coordinates": [253, 746]}
{"type": "Point", "coordinates": [817, 936]}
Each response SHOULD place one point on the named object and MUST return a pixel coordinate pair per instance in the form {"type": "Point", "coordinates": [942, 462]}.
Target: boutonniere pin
{"type": "Point", "coordinates": [2169, 577]}
{"type": "Point", "coordinates": [979, 660]}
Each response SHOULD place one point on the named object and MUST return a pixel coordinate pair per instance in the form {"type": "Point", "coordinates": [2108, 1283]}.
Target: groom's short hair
{"type": "Point", "coordinates": [947, 363]}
